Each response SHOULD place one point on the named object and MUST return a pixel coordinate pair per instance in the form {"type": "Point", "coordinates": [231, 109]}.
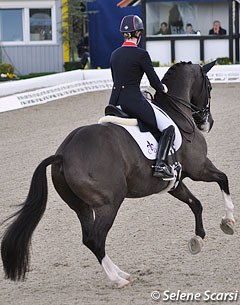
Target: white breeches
{"type": "Point", "coordinates": [164, 121]}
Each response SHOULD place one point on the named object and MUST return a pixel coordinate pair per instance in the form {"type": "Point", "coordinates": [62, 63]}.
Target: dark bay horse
{"type": "Point", "coordinates": [99, 165]}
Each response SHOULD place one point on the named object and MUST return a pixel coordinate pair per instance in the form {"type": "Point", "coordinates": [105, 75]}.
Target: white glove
{"type": "Point", "coordinates": [165, 90]}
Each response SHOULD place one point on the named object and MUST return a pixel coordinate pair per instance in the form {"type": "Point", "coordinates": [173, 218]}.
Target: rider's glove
{"type": "Point", "coordinates": [165, 90]}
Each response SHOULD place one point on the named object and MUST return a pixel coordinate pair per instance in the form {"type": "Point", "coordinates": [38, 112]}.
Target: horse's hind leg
{"type": "Point", "coordinates": [95, 226]}
{"type": "Point", "coordinates": [212, 174]}
{"type": "Point", "coordinates": [94, 237]}
{"type": "Point", "coordinates": [182, 193]}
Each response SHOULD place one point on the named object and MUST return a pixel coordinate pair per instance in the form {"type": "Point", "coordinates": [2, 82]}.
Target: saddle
{"type": "Point", "coordinates": [115, 111]}
{"type": "Point", "coordinates": [118, 112]}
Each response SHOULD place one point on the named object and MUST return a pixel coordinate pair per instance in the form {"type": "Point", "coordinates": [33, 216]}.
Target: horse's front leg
{"type": "Point", "coordinates": [182, 193]}
{"type": "Point", "coordinates": [212, 174]}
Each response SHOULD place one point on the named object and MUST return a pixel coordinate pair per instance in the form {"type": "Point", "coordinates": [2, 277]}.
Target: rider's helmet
{"type": "Point", "coordinates": [131, 24]}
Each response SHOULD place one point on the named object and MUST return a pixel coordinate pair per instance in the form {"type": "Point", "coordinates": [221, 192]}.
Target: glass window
{"type": "Point", "coordinates": [11, 25]}
{"type": "Point", "coordinates": [184, 17]}
{"type": "Point", "coordinates": [40, 24]}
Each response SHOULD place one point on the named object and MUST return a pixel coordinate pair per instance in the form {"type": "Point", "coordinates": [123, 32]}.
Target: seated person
{"type": "Point", "coordinates": [163, 29]}
{"type": "Point", "coordinates": [217, 30]}
{"type": "Point", "coordinates": [189, 29]}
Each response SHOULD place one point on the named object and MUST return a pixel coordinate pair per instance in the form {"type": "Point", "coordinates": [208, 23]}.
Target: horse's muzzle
{"type": "Point", "coordinates": [205, 124]}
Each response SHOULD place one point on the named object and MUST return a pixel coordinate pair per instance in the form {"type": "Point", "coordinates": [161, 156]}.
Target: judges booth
{"type": "Point", "coordinates": [199, 46]}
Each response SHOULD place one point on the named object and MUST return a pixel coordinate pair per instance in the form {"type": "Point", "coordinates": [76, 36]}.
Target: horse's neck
{"type": "Point", "coordinates": [180, 88]}
{"type": "Point", "coordinates": [180, 81]}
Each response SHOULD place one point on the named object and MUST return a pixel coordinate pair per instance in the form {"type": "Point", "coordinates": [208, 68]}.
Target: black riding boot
{"type": "Point", "coordinates": [161, 168]}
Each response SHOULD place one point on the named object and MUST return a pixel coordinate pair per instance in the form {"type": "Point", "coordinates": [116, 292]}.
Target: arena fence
{"type": "Point", "coordinates": [25, 93]}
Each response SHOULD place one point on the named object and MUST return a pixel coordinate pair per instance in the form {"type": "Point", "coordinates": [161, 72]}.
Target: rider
{"type": "Point", "coordinates": [128, 64]}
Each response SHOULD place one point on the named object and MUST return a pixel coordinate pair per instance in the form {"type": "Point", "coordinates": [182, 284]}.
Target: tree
{"type": "Point", "coordinates": [75, 23]}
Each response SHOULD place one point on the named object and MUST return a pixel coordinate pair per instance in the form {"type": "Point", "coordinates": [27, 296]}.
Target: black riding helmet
{"type": "Point", "coordinates": [131, 24]}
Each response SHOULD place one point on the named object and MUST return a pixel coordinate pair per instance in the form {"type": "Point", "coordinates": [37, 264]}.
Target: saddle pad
{"type": "Point", "coordinates": [145, 140]}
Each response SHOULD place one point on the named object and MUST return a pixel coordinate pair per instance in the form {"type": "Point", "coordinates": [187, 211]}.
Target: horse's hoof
{"type": "Point", "coordinates": [195, 244]}
{"type": "Point", "coordinates": [124, 275]}
{"type": "Point", "coordinates": [227, 226]}
{"type": "Point", "coordinates": [123, 283]}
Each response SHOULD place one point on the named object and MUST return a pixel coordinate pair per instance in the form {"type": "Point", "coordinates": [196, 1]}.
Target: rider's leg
{"type": "Point", "coordinates": [157, 119]}
{"type": "Point", "coordinates": [161, 168]}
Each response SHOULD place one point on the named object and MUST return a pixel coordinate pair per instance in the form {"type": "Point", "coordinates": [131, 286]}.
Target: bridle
{"type": "Point", "coordinates": [199, 114]}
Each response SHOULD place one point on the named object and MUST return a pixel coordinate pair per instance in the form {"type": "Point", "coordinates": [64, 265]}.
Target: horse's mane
{"type": "Point", "coordinates": [176, 67]}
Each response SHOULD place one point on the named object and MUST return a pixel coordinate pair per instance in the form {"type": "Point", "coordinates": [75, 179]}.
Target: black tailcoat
{"type": "Point", "coordinates": [128, 64]}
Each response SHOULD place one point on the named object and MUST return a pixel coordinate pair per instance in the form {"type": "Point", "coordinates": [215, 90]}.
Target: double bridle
{"type": "Point", "coordinates": [199, 114]}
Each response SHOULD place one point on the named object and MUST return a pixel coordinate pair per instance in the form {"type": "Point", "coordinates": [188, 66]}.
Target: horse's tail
{"type": "Point", "coordinates": [17, 238]}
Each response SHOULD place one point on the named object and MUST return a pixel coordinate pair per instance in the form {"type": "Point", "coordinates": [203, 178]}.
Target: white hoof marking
{"type": "Point", "coordinates": [228, 206]}
{"type": "Point", "coordinates": [114, 273]}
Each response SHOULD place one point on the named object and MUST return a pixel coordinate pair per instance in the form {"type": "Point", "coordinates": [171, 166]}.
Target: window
{"type": "Point", "coordinates": [177, 16]}
{"type": "Point", "coordinates": [30, 22]}
{"type": "Point", "coordinates": [11, 25]}
{"type": "Point", "coordinates": [40, 24]}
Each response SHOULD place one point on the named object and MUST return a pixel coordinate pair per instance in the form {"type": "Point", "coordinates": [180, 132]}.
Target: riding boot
{"type": "Point", "coordinates": [161, 168]}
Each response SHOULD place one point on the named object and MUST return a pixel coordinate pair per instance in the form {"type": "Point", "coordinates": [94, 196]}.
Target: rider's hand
{"type": "Point", "coordinates": [165, 90]}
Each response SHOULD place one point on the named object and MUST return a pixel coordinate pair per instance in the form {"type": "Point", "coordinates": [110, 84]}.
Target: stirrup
{"type": "Point", "coordinates": [163, 171]}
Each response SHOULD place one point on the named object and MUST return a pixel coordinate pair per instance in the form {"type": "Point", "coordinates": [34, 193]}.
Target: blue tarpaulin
{"type": "Point", "coordinates": [104, 35]}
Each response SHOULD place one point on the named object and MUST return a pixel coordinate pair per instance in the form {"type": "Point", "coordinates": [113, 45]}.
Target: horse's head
{"type": "Point", "coordinates": [201, 98]}
{"type": "Point", "coordinates": [189, 93]}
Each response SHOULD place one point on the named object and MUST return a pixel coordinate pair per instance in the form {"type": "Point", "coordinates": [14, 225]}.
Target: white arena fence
{"type": "Point", "coordinates": [39, 90]}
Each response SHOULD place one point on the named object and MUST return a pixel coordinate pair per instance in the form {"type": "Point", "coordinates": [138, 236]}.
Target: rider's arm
{"type": "Point", "coordinates": [152, 76]}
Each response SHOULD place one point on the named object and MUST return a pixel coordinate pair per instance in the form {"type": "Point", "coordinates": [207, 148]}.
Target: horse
{"type": "Point", "coordinates": [97, 166]}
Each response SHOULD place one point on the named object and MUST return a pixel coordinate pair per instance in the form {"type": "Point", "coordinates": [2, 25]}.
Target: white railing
{"type": "Point", "coordinates": [24, 93]}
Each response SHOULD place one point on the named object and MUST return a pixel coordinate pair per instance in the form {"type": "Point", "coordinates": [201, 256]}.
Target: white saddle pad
{"type": "Point", "coordinates": [145, 140]}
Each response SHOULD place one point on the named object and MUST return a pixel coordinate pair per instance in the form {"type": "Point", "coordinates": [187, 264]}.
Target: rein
{"type": "Point", "coordinates": [198, 115]}
{"type": "Point", "coordinates": [196, 111]}
{"type": "Point", "coordinates": [176, 100]}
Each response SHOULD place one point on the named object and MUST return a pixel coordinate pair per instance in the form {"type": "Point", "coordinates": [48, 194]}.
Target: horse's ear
{"type": "Point", "coordinates": [208, 66]}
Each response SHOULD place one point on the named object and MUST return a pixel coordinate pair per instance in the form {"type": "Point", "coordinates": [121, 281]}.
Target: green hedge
{"type": "Point", "coordinates": [156, 63]}
{"type": "Point", "coordinates": [223, 61]}
{"type": "Point", "coordinates": [6, 68]}
{"type": "Point", "coordinates": [72, 65]}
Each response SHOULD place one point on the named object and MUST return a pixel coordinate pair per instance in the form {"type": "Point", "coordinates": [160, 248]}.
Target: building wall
{"type": "Point", "coordinates": [34, 59]}
{"type": "Point", "coordinates": [35, 56]}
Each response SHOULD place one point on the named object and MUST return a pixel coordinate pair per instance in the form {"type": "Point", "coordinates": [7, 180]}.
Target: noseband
{"type": "Point", "coordinates": [200, 115]}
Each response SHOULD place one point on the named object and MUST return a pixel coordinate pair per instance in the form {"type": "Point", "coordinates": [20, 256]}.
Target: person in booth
{"type": "Point", "coordinates": [128, 64]}
{"type": "Point", "coordinates": [164, 30]}
{"type": "Point", "coordinates": [189, 29]}
{"type": "Point", "coordinates": [217, 29]}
